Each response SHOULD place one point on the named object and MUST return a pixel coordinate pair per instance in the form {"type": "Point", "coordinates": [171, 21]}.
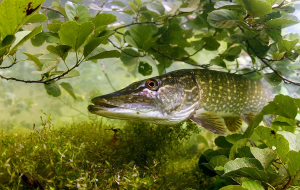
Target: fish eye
{"type": "Point", "coordinates": [152, 84]}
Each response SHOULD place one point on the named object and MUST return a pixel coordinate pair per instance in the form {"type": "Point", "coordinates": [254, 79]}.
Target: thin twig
{"type": "Point", "coordinates": [135, 23]}
{"type": "Point", "coordinates": [182, 59]}
{"type": "Point", "coordinates": [103, 69]}
{"type": "Point", "coordinates": [287, 81]}
{"type": "Point", "coordinates": [42, 79]}
{"type": "Point", "coordinates": [119, 48]}
{"type": "Point", "coordinates": [72, 107]}
{"type": "Point", "coordinates": [7, 67]}
{"type": "Point", "coordinates": [55, 10]}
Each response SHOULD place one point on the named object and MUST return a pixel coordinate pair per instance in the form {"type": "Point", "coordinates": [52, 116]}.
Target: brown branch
{"type": "Point", "coordinates": [287, 184]}
{"type": "Point", "coordinates": [182, 59]}
{"type": "Point", "coordinates": [107, 77]}
{"type": "Point", "coordinates": [55, 10]}
{"type": "Point", "coordinates": [266, 62]}
{"type": "Point", "coordinates": [41, 80]}
{"type": "Point", "coordinates": [280, 5]}
{"type": "Point", "coordinates": [285, 80]}
{"type": "Point", "coordinates": [135, 23]}
{"type": "Point", "coordinates": [7, 67]}
{"type": "Point", "coordinates": [119, 48]}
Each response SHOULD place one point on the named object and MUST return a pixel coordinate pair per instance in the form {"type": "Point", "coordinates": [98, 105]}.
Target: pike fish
{"type": "Point", "coordinates": [212, 99]}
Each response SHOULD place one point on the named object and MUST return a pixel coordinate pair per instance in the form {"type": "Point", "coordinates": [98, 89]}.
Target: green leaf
{"type": "Point", "coordinates": [233, 138]}
{"type": "Point", "coordinates": [52, 37]}
{"type": "Point", "coordinates": [236, 146]}
{"type": "Point", "coordinates": [101, 53]}
{"type": "Point", "coordinates": [265, 156]}
{"type": "Point", "coordinates": [272, 2]}
{"type": "Point", "coordinates": [72, 73]}
{"type": "Point", "coordinates": [133, 6]}
{"type": "Point", "coordinates": [209, 154]}
{"type": "Point", "coordinates": [192, 6]}
{"type": "Point", "coordinates": [232, 53]}
{"type": "Point", "coordinates": [210, 43]}
{"type": "Point", "coordinates": [148, 43]}
{"type": "Point", "coordinates": [34, 59]}
{"type": "Point", "coordinates": [129, 56]}
{"type": "Point", "coordinates": [281, 105]}
{"type": "Point", "coordinates": [128, 11]}
{"type": "Point", "coordinates": [21, 39]}
{"type": "Point", "coordinates": [14, 13]}
{"type": "Point", "coordinates": [97, 32]}
{"type": "Point", "coordinates": [140, 33]}
{"type": "Point", "coordinates": [53, 89]}
{"type": "Point", "coordinates": [156, 7]}
{"type": "Point", "coordinates": [68, 88]}
{"type": "Point", "coordinates": [293, 162]}
{"type": "Point", "coordinates": [294, 140]}
{"type": "Point", "coordinates": [93, 44]}
{"type": "Point", "coordinates": [74, 35]}
{"type": "Point", "coordinates": [218, 161]}
{"type": "Point", "coordinates": [227, 5]}
{"type": "Point", "coordinates": [280, 23]}
{"type": "Point", "coordinates": [223, 18]}
{"type": "Point", "coordinates": [287, 45]}
{"type": "Point", "coordinates": [221, 142]}
{"type": "Point", "coordinates": [145, 69]}
{"type": "Point", "coordinates": [251, 184]}
{"type": "Point", "coordinates": [259, 47]}
{"type": "Point", "coordinates": [242, 163]}
{"type": "Point", "coordinates": [237, 38]}
{"type": "Point", "coordinates": [47, 67]}
{"type": "Point", "coordinates": [218, 61]}
{"type": "Point", "coordinates": [233, 187]}
{"type": "Point", "coordinates": [139, 3]}
{"type": "Point", "coordinates": [272, 78]}
{"type": "Point", "coordinates": [283, 121]}
{"type": "Point", "coordinates": [60, 50]}
{"type": "Point", "coordinates": [254, 123]}
{"type": "Point", "coordinates": [54, 27]}
{"type": "Point", "coordinates": [257, 8]}
{"type": "Point", "coordinates": [274, 141]}
{"type": "Point", "coordinates": [37, 18]}
{"type": "Point", "coordinates": [104, 19]}
{"type": "Point", "coordinates": [8, 41]}
{"type": "Point", "coordinates": [38, 40]}
{"type": "Point", "coordinates": [78, 13]}
{"type": "Point", "coordinates": [119, 3]}
{"type": "Point", "coordinates": [245, 167]}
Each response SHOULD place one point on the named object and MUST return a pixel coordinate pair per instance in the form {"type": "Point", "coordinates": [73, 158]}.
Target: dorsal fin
{"type": "Point", "coordinates": [233, 124]}
{"type": "Point", "coordinates": [211, 122]}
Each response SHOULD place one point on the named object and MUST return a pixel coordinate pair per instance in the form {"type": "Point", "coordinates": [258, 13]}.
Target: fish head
{"type": "Point", "coordinates": [166, 99]}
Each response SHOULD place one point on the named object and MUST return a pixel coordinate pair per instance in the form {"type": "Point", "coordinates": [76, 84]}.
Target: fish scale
{"type": "Point", "coordinates": [232, 94]}
{"type": "Point", "coordinates": [212, 99]}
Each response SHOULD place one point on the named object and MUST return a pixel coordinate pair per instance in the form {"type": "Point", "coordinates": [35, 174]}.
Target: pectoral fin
{"type": "Point", "coordinates": [233, 124]}
{"type": "Point", "coordinates": [248, 117]}
{"type": "Point", "coordinates": [211, 122]}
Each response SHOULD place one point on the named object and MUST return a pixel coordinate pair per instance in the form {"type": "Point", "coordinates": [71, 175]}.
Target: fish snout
{"type": "Point", "coordinates": [99, 100]}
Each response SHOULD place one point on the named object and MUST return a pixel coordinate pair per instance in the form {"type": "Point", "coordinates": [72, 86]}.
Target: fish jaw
{"type": "Point", "coordinates": [124, 113]}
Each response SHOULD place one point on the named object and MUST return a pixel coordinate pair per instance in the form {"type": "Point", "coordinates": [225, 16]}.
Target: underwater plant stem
{"type": "Point", "coordinates": [107, 77]}
{"type": "Point", "coordinates": [287, 184]}
{"type": "Point", "coordinates": [72, 107]}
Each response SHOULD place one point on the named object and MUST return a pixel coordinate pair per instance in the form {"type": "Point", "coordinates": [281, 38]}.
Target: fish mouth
{"type": "Point", "coordinates": [102, 106]}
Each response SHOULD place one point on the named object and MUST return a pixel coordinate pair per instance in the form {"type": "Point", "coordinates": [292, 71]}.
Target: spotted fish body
{"type": "Point", "coordinates": [211, 99]}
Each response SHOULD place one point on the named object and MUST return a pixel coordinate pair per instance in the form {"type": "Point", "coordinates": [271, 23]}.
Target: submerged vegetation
{"type": "Point", "coordinates": [71, 52]}
{"type": "Point", "coordinates": [93, 155]}
{"type": "Point", "coordinates": [96, 155]}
